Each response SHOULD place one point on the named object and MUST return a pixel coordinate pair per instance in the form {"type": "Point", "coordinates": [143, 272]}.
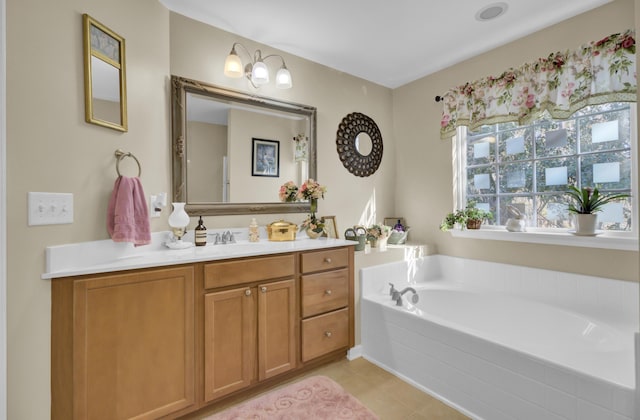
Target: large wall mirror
{"type": "Point", "coordinates": [105, 86]}
{"type": "Point", "coordinates": [221, 141]}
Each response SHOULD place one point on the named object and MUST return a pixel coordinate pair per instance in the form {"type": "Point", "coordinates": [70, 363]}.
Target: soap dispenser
{"type": "Point", "coordinates": [200, 233]}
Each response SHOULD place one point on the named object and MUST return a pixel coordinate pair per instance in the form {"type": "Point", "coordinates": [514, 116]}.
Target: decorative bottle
{"type": "Point", "coordinates": [200, 233]}
{"type": "Point", "coordinates": [399, 227]}
{"type": "Point", "coordinates": [254, 235]}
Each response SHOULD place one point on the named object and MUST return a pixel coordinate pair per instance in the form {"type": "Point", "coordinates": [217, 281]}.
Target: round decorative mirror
{"type": "Point", "coordinates": [359, 144]}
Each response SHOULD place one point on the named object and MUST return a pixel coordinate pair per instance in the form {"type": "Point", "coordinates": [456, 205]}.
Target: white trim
{"type": "Point", "coordinates": [637, 402]}
{"type": "Point", "coordinates": [354, 352]}
{"type": "Point", "coordinates": [604, 241]}
{"type": "Point", "coordinates": [3, 210]}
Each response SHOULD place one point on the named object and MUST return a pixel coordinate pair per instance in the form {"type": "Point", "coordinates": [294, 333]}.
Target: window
{"type": "Point", "coordinates": [529, 167]}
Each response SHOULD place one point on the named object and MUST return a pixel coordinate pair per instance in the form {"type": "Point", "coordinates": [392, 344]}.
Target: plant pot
{"type": "Point", "coordinates": [585, 224]}
{"type": "Point", "coordinates": [474, 223]}
{"type": "Point", "coordinates": [312, 234]}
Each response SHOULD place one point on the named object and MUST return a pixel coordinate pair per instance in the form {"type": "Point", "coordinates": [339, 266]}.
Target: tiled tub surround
{"type": "Point", "coordinates": [499, 341]}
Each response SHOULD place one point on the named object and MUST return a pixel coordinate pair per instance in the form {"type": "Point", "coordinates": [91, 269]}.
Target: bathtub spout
{"type": "Point", "coordinates": [393, 291]}
{"type": "Point", "coordinates": [397, 296]}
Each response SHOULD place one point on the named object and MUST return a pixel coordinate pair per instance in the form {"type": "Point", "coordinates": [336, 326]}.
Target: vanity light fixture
{"type": "Point", "coordinates": [256, 71]}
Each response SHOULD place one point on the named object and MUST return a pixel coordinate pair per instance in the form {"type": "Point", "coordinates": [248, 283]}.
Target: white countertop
{"type": "Point", "coordinates": [108, 256]}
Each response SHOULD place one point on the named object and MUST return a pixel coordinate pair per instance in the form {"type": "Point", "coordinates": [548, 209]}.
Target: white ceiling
{"type": "Point", "coordinates": [386, 42]}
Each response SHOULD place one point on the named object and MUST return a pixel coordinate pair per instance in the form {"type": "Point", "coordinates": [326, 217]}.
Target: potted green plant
{"type": "Point", "coordinates": [471, 217]}
{"type": "Point", "coordinates": [585, 202]}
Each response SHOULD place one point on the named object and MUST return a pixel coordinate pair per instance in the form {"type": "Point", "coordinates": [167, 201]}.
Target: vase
{"type": "Point", "coordinates": [179, 219]}
{"type": "Point", "coordinates": [585, 224]}
{"type": "Point", "coordinates": [313, 205]}
{"type": "Point", "coordinates": [313, 234]}
{"type": "Point", "coordinates": [373, 242]}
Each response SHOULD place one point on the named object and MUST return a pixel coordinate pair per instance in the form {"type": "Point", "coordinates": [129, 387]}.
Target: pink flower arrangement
{"type": "Point", "coordinates": [288, 192]}
{"type": "Point", "coordinates": [311, 190]}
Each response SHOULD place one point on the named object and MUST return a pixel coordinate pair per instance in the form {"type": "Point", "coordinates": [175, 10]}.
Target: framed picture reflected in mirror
{"type": "Point", "coordinates": [265, 158]}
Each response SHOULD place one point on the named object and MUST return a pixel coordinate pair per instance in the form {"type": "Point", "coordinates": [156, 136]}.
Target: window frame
{"type": "Point", "coordinates": [622, 240]}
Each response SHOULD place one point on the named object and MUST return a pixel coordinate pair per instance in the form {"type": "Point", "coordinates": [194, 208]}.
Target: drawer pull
{"type": "Point", "coordinates": [328, 292]}
{"type": "Point", "coordinates": [327, 334]}
{"type": "Point", "coordinates": [263, 289]}
{"type": "Point", "coordinates": [247, 292]}
{"type": "Point", "coordinates": [327, 260]}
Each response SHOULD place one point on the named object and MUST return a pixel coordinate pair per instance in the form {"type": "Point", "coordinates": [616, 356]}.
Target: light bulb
{"type": "Point", "coordinates": [260, 73]}
{"type": "Point", "coordinates": [283, 78]}
{"type": "Point", "coordinates": [233, 65]}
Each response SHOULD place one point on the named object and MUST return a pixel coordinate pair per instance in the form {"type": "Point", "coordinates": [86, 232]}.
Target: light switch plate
{"type": "Point", "coordinates": [50, 208]}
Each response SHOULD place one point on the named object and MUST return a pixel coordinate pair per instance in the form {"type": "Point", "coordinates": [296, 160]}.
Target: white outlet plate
{"type": "Point", "coordinates": [154, 210]}
{"type": "Point", "coordinates": [50, 208]}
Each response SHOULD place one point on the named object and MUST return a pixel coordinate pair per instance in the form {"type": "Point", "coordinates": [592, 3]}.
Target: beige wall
{"type": "Point", "coordinates": [244, 126]}
{"type": "Point", "coordinates": [198, 52]}
{"type": "Point", "coordinates": [205, 152]}
{"type": "Point", "coordinates": [424, 161]}
{"type": "Point", "coordinates": [51, 148]}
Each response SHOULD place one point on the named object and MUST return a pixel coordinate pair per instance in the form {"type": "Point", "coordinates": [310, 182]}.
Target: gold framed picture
{"type": "Point", "coordinates": [330, 227]}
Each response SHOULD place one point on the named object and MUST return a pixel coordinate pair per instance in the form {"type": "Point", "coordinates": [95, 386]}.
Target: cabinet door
{"type": "Point", "coordinates": [277, 336]}
{"type": "Point", "coordinates": [134, 344]}
{"type": "Point", "coordinates": [230, 343]}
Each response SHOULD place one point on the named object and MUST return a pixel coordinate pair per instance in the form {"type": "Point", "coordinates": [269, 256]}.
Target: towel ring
{"type": "Point", "coordinates": [121, 155]}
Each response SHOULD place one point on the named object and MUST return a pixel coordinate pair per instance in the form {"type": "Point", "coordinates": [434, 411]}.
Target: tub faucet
{"type": "Point", "coordinates": [397, 296]}
{"type": "Point", "coordinates": [392, 291]}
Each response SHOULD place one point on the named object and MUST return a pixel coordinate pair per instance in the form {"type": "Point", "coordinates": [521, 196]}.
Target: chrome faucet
{"type": "Point", "coordinates": [223, 238]}
{"type": "Point", "coordinates": [392, 291]}
{"type": "Point", "coordinates": [397, 296]}
{"type": "Point", "coordinates": [228, 238]}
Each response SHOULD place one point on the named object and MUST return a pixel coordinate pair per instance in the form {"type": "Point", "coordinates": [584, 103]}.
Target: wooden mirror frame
{"type": "Point", "coordinates": [180, 87]}
{"type": "Point", "coordinates": [116, 59]}
{"type": "Point", "coordinates": [350, 127]}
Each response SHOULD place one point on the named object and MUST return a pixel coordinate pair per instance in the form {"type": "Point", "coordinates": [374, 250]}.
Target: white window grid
{"type": "Point", "coordinates": [459, 156]}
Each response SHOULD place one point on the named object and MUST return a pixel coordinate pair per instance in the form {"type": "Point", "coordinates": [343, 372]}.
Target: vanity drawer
{"type": "Point", "coordinates": [324, 292]}
{"type": "Point", "coordinates": [325, 260]}
{"type": "Point", "coordinates": [325, 333]}
{"type": "Point", "coordinates": [246, 271]}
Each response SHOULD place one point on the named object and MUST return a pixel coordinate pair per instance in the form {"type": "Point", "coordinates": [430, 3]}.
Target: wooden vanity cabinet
{"type": "Point", "coordinates": [167, 342]}
{"type": "Point", "coordinates": [251, 331]}
{"type": "Point", "coordinates": [327, 302]}
{"type": "Point", "coordinates": [123, 345]}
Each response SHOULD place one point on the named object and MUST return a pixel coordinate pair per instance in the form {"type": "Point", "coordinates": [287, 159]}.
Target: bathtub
{"type": "Point", "coordinates": [500, 341]}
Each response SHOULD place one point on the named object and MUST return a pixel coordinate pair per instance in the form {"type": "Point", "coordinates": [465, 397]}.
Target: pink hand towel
{"type": "Point", "coordinates": [127, 214]}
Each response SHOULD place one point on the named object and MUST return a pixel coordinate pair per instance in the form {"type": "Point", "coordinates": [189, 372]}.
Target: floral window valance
{"type": "Point", "coordinates": [599, 72]}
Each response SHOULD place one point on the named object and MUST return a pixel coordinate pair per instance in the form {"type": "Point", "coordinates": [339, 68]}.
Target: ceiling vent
{"type": "Point", "coordinates": [491, 11]}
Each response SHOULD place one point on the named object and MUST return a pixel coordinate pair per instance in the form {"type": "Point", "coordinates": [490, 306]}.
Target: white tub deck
{"type": "Point", "coordinates": [506, 342]}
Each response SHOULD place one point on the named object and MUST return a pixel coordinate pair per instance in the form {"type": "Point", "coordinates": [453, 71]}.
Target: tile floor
{"type": "Point", "coordinates": [386, 395]}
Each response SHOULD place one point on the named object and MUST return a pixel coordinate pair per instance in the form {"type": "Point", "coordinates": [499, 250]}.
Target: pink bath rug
{"type": "Point", "coordinates": [314, 398]}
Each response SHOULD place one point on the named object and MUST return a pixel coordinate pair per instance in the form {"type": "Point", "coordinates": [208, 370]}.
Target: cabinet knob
{"type": "Point", "coordinates": [328, 292]}
{"type": "Point", "coordinates": [327, 334]}
{"type": "Point", "coordinates": [327, 260]}
{"type": "Point", "coordinates": [247, 292]}
{"type": "Point", "coordinates": [263, 289]}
